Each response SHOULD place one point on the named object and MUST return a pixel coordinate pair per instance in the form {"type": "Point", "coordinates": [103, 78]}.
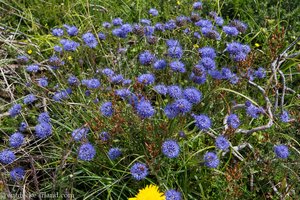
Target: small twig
{"type": "Point", "coordinates": [283, 89]}
{"type": "Point", "coordinates": [276, 190]}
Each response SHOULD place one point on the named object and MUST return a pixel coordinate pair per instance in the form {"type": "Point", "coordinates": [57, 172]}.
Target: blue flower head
{"type": "Point", "coordinates": [192, 95]}
{"type": "Point", "coordinates": [182, 106]}
{"type": "Point", "coordinates": [177, 66]}
{"type": "Point", "coordinates": [86, 152]}
{"type": "Point", "coordinates": [79, 133]}
{"type": "Point", "coordinates": [211, 160]}
{"type": "Point", "coordinates": [22, 59]}
{"type": "Point", "coordinates": [32, 68]}
{"type": "Point", "coordinates": [90, 40]}
{"type": "Point", "coordinates": [175, 52]}
{"type": "Point", "coordinates": [43, 130]}
{"type": "Point", "coordinates": [117, 21]}
{"type": "Point", "coordinates": [91, 83]}
{"type": "Point", "coordinates": [281, 151]}
{"type": "Point", "coordinates": [173, 195]}
{"type": "Point", "coordinates": [197, 5]}
{"type": "Point", "coordinates": [69, 45]}
{"type": "Point", "coordinates": [104, 136]}
{"type": "Point", "coordinates": [170, 148]}
{"type": "Point", "coordinates": [108, 72]}
{"type": "Point", "coordinates": [153, 12]}
{"type": "Point", "coordinates": [23, 126]}
{"type": "Point", "coordinates": [203, 122]}
{"type": "Point", "coordinates": [7, 156]}
{"type": "Point", "coordinates": [222, 143]}
{"type": "Point", "coordinates": [16, 140]}
{"type": "Point", "coordinates": [114, 153]}
{"type": "Point", "coordinates": [107, 109]}
{"type": "Point", "coordinates": [284, 117]}
{"type": "Point", "coordinates": [146, 58]}
{"type": "Point", "coordinates": [160, 64]}
{"type": "Point", "coordinates": [71, 30]}
{"type": "Point", "coordinates": [230, 30]}
{"type": "Point", "coordinates": [170, 111]}
{"type": "Point", "coordinates": [144, 109]}
{"type": "Point", "coordinates": [17, 174]}
{"type": "Point", "coordinates": [58, 32]}
{"type": "Point", "coordinates": [29, 99]}
{"type": "Point", "coordinates": [161, 89]}
{"type": "Point", "coordinates": [175, 91]}
{"type": "Point", "coordinates": [233, 121]}
{"type": "Point", "coordinates": [146, 79]}
{"type": "Point", "coordinates": [15, 110]}
{"type": "Point", "coordinates": [139, 171]}
{"type": "Point", "coordinates": [43, 82]}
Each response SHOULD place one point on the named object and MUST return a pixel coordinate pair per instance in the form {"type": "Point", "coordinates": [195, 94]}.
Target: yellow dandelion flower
{"type": "Point", "coordinates": [178, 3]}
{"type": "Point", "coordinates": [29, 51]}
{"type": "Point", "coordinates": [196, 46]}
{"type": "Point", "coordinates": [150, 192]}
{"type": "Point", "coordinates": [70, 58]}
{"type": "Point", "coordinates": [256, 44]}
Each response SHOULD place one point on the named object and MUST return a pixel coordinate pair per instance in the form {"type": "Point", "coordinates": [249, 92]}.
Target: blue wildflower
{"type": "Point", "coordinates": [149, 30]}
{"type": "Point", "coordinates": [90, 40]}
{"type": "Point", "coordinates": [173, 195]}
{"type": "Point", "coordinates": [182, 106]}
{"type": "Point", "coordinates": [145, 22]}
{"type": "Point", "coordinates": [260, 73]}
{"type": "Point", "coordinates": [230, 30]}
{"type": "Point", "coordinates": [153, 12]}
{"type": "Point", "coordinates": [15, 110]}
{"type": "Point", "coordinates": [208, 63]}
{"type": "Point", "coordinates": [284, 117]}
{"type": "Point", "coordinates": [160, 64]}
{"type": "Point", "coordinates": [211, 160]}
{"type": "Point", "coordinates": [32, 68]}
{"type": "Point", "coordinates": [233, 121]}
{"type": "Point", "coordinates": [144, 109]}
{"type": "Point", "coordinates": [175, 52]}
{"type": "Point", "coordinates": [101, 36]}
{"type": "Point", "coordinates": [222, 143]}
{"type": "Point", "coordinates": [114, 153]}
{"type": "Point", "coordinates": [146, 58]}
{"type": "Point", "coordinates": [86, 152]}
{"type": "Point", "coordinates": [117, 21]}
{"type": "Point", "coordinates": [22, 59]}
{"type": "Point", "coordinates": [170, 148]}
{"type": "Point", "coordinates": [177, 66]}
{"type": "Point", "coordinates": [116, 79]}
{"type": "Point", "coordinates": [173, 43]}
{"type": "Point", "coordinates": [123, 93]}
{"type": "Point", "coordinates": [106, 25]}
{"type": "Point", "coordinates": [281, 151]}
{"type": "Point", "coordinates": [204, 23]}
{"type": "Point", "coordinates": [210, 33]}
{"type": "Point", "coordinates": [104, 136]}
{"type": "Point", "coordinates": [203, 122]}
{"type": "Point", "coordinates": [161, 89]}
{"type": "Point", "coordinates": [197, 5]}
{"type": "Point", "coordinates": [170, 25]}
{"type": "Point", "coordinates": [159, 27]}
{"type": "Point", "coordinates": [175, 91]}
{"type": "Point", "coordinates": [170, 111]}
{"type": "Point", "coordinates": [69, 45]}
{"type": "Point", "coordinates": [139, 171]}
{"type": "Point", "coordinates": [17, 174]}
{"type": "Point", "coordinates": [79, 133]}
{"type": "Point", "coordinates": [192, 95]}
{"type": "Point", "coordinates": [23, 126]}
{"type": "Point", "coordinates": [108, 72]}
{"type": "Point", "coordinates": [58, 32]}
{"type": "Point", "coordinates": [71, 30]}
{"type": "Point", "coordinates": [107, 109]}
{"type": "Point", "coordinates": [44, 117]}
{"type": "Point", "coordinates": [43, 82]}
{"type": "Point", "coordinates": [91, 83]}
{"type": "Point", "coordinates": [7, 156]}
{"type": "Point", "coordinates": [16, 140]}
{"type": "Point", "coordinates": [43, 130]}
{"type": "Point", "coordinates": [146, 79]}
{"type": "Point", "coordinates": [29, 99]}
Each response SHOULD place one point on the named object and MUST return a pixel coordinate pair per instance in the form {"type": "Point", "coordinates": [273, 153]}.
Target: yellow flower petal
{"type": "Point", "coordinates": [150, 192]}
{"type": "Point", "coordinates": [29, 51]}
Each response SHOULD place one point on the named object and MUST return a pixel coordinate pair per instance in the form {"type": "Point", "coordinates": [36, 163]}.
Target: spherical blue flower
{"type": "Point", "coordinates": [119, 33]}
{"type": "Point", "coordinates": [126, 82]}
{"type": "Point", "coordinates": [242, 27]}
{"type": "Point", "coordinates": [123, 93]}
{"type": "Point", "coordinates": [173, 43]}
{"type": "Point", "coordinates": [186, 31]}
{"type": "Point", "coordinates": [106, 25]}
{"type": "Point", "coordinates": [23, 126]}
{"type": "Point", "coordinates": [57, 48]}
{"type": "Point", "coordinates": [210, 33]}
{"type": "Point", "coordinates": [170, 111]}
{"type": "Point", "coordinates": [170, 148]}
{"type": "Point", "coordinates": [32, 68]}
{"type": "Point", "coordinates": [215, 74]}
{"type": "Point", "coordinates": [161, 89]}
{"type": "Point", "coordinates": [117, 21]}
{"type": "Point", "coordinates": [146, 58]}
{"type": "Point", "coordinates": [139, 171]}
{"type": "Point", "coordinates": [211, 160]}
{"type": "Point", "coordinates": [108, 72]}
{"type": "Point", "coordinates": [252, 110]}
{"type": "Point", "coordinates": [160, 64]}
{"type": "Point", "coordinates": [182, 105]}
{"type": "Point", "coordinates": [260, 73]}
{"type": "Point", "coordinates": [71, 30]}
{"type": "Point", "coordinates": [175, 91]}
{"type": "Point", "coordinates": [69, 45]}
{"type": "Point", "coordinates": [116, 79]}
{"type": "Point", "coordinates": [197, 5]}
{"type": "Point", "coordinates": [219, 21]}
{"type": "Point", "coordinates": [233, 121]}
{"type": "Point", "coordinates": [114, 153]}
{"type": "Point", "coordinates": [145, 22]}
{"type": "Point", "coordinates": [284, 117]}
{"type": "Point", "coordinates": [17, 173]}
{"type": "Point", "coordinates": [208, 63]}
{"type": "Point", "coordinates": [234, 48]}
{"type": "Point", "coordinates": [126, 28]}
{"type": "Point", "coordinates": [146, 79]}
{"type": "Point", "coordinates": [86, 152]}
{"type": "Point", "coordinates": [7, 156]}
{"type": "Point", "coordinates": [16, 140]}
{"type": "Point", "coordinates": [204, 23]}
{"type": "Point", "coordinates": [107, 109]}
{"type": "Point", "coordinates": [44, 117]}
{"type": "Point", "coordinates": [91, 83]}
{"type": "Point", "coordinates": [22, 59]}
{"type": "Point", "coordinates": [234, 79]}
{"type": "Point", "coordinates": [29, 99]}
{"type": "Point", "coordinates": [153, 12]}
{"type": "Point", "coordinates": [175, 52]}
{"type": "Point", "coordinates": [144, 109]}
{"type": "Point", "coordinates": [15, 110]}
{"type": "Point", "coordinates": [222, 143]}
{"type": "Point", "coordinates": [230, 30]}
{"type": "Point", "coordinates": [173, 195]}
{"type": "Point", "coordinates": [203, 122]}
{"type": "Point", "coordinates": [43, 130]}
{"type": "Point", "coordinates": [181, 20]}
{"type": "Point", "coordinates": [90, 40]}
{"type": "Point", "coordinates": [159, 27]}
{"type": "Point", "coordinates": [104, 136]}
{"type": "Point", "coordinates": [170, 25]}
{"type": "Point", "coordinates": [101, 36]}
{"type": "Point", "coordinates": [226, 73]}
{"type": "Point", "coordinates": [197, 35]}
{"type": "Point", "coordinates": [73, 80]}
{"type": "Point", "coordinates": [60, 95]}
{"type": "Point", "coordinates": [192, 95]}
{"type": "Point", "coordinates": [43, 82]}
{"type": "Point", "coordinates": [198, 79]}
{"type": "Point", "coordinates": [177, 66]}
{"type": "Point", "coordinates": [58, 32]}
{"type": "Point", "coordinates": [281, 151]}
{"type": "Point", "coordinates": [79, 133]}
